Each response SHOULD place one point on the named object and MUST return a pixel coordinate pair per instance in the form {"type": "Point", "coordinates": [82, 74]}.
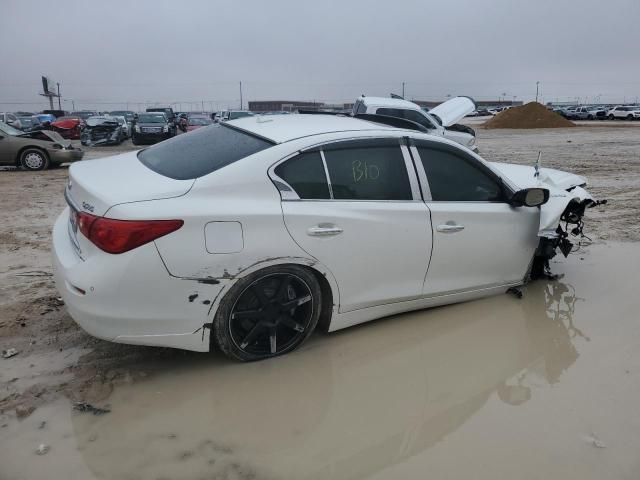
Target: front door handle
{"type": "Point", "coordinates": [324, 230]}
{"type": "Point", "coordinates": [449, 228]}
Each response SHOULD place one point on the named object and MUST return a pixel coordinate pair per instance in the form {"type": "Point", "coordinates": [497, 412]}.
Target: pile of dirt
{"type": "Point", "coordinates": [530, 115]}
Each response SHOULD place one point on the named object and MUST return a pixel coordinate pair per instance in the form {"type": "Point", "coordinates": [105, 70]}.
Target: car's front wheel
{"type": "Point", "coordinates": [34, 159]}
{"type": "Point", "coordinates": [611, 117]}
{"type": "Point", "coordinates": [267, 313]}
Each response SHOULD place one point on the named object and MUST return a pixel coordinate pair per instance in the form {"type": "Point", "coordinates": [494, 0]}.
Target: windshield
{"type": "Point", "coordinates": [26, 121]}
{"type": "Point", "coordinates": [199, 121]}
{"type": "Point", "coordinates": [203, 151]}
{"type": "Point", "coordinates": [9, 130]}
{"type": "Point", "coordinates": [152, 118]}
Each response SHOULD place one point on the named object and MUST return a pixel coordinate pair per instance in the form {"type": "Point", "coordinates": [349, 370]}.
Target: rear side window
{"type": "Point", "coordinates": [201, 152]}
{"type": "Point", "coordinates": [305, 173]}
{"type": "Point", "coordinates": [453, 178]}
{"type": "Point", "coordinates": [368, 173]}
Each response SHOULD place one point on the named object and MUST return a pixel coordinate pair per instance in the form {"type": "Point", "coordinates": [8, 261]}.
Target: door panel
{"type": "Point", "coordinates": [377, 251]}
{"type": "Point", "coordinates": [494, 247]}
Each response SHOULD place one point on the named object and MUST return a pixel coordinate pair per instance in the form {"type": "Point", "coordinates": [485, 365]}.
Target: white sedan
{"type": "Point", "coordinates": [246, 235]}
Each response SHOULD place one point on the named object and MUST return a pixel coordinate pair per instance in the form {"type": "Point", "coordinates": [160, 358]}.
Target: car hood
{"type": "Point", "coordinates": [452, 111]}
{"type": "Point", "coordinates": [523, 176]}
{"type": "Point", "coordinates": [53, 136]}
{"type": "Point", "coordinates": [563, 187]}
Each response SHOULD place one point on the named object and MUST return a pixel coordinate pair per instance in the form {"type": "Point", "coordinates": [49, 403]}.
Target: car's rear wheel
{"type": "Point", "coordinates": [267, 313]}
{"type": "Point", "coordinates": [34, 159]}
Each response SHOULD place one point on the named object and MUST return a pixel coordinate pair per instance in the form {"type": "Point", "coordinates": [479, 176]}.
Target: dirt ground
{"type": "Point", "coordinates": [58, 362]}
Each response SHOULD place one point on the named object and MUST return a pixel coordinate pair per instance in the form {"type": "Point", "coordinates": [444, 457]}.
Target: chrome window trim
{"type": "Point", "coordinates": [326, 173]}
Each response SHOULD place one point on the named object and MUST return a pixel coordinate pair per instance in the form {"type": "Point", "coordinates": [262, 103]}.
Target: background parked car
{"type": "Point", "coordinates": [103, 130]}
{"type": "Point", "coordinates": [127, 114]}
{"type": "Point", "coordinates": [624, 112]}
{"type": "Point", "coordinates": [84, 114]}
{"type": "Point", "coordinates": [197, 121]}
{"type": "Point", "coordinates": [170, 116]}
{"type": "Point", "coordinates": [37, 150]}
{"type": "Point", "coordinates": [226, 115]}
{"type": "Point", "coordinates": [28, 122]}
{"type": "Point", "coordinates": [151, 127]}
{"type": "Point", "coordinates": [68, 127]}
{"type": "Point", "coordinates": [11, 119]}
{"type": "Point", "coordinates": [56, 113]}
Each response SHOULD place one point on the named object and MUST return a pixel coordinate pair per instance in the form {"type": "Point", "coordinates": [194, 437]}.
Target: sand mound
{"type": "Point", "coordinates": [531, 115]}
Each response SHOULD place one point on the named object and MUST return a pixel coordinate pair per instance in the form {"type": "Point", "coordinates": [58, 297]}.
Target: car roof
{"type": "Point", "coordinates": [390, 102]}
{"type": "Point", "coordinates": [283, 128]}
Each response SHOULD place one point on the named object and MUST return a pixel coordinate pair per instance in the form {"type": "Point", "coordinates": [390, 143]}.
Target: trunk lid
{"type": "Point", "coordinates": [97, 185]}
{"type": "Point", "coordinates": [454, 110]}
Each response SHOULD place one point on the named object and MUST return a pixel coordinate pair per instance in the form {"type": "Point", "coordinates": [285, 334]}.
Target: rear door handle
{"type": "Point", "coordinates": [324, 231]}
{"type": "Point", "coordinates": [448, 228]}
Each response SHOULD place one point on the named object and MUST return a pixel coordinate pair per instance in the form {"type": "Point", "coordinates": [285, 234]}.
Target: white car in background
{"type": "Point", "coordinates": [246, 235]}
{"type": "Point", "coordinates": [624, 112]}
{"type": "Point", "coordinates": [440, 120]}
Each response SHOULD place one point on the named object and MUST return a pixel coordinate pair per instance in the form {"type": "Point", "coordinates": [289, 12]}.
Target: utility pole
{"type": "Point", "coordinates": [59, 106]}
{"type": "Point", "coordinates": [402, 89]}
{"type": "Point", "coordinates": [241, 95]}
{"type": "Point", "coordinates": [202, 102]}
{"type": "Point", "coordinates": [537, 83]}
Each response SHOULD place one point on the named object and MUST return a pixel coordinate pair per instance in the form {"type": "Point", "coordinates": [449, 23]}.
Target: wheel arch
{"type": "Point", "coordinates": [326, 280]}
{"type": "Point", "coordinates": [31, 147]}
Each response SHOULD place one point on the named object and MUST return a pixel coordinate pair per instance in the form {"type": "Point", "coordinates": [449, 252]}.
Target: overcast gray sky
{"type": "Point", "coordinates": [108, 53]}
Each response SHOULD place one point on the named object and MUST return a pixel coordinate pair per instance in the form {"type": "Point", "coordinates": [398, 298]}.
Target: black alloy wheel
{"type": "Point", "coordinates": [268, 313]}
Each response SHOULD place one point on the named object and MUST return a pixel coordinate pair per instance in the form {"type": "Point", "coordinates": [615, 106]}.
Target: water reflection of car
{"type": "Point", "coordinates": [196, 121]}
{"type": "Point", "coordinates": [151, 127]}
{"type": "Point", "coordinates": [37, 150]}
{"type": "Point", "coordinates": [372, 399]}
{"type": "Point", "coordinates": [103, 131]}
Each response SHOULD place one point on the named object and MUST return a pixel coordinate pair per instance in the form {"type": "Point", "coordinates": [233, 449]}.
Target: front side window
{"type": "Point", "coordinates": [367, 170]}
{"type": "Point", "coordinates": [305, 174]}
{"type": "Point", "coordinates": [454, 178]}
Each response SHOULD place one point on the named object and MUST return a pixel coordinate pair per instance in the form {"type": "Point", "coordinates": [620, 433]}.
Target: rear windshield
{"type": "Point", "coordinates": [201, 152]}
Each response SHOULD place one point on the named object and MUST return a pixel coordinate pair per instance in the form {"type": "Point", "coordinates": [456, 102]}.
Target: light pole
{"type": "Point", "coordinates": [537, 85]}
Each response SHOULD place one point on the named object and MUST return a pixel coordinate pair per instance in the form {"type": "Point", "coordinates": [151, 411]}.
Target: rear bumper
{"type": "Point", "coordinates": [131, 298]}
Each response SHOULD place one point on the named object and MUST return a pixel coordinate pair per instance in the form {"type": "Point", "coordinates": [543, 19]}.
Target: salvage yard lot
{"type": "Point", "coordinates": [57, 360]}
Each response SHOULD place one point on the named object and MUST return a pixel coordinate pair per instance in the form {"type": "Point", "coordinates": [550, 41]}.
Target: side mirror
{"type": "Point", "coordinates": [530, 197]}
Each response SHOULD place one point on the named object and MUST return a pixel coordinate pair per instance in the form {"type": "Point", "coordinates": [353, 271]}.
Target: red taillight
{"type": "Point", "coordinates": [119, 236]}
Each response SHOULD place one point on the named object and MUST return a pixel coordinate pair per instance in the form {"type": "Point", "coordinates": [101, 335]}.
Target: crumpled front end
{"type": "Point", "coordinates": [104, 134]}
{"type": "Point", "coordinates": [561, 218]}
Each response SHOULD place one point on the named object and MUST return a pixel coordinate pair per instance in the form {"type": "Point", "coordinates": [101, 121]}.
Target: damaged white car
{"type": "Point", "coordinates": [440, 120]}
{"type": "Point", "coordinates": [247, 235]}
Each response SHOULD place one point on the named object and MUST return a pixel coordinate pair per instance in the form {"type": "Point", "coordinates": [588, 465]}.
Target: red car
{"type": "Point", "coordinates": [197, 121]}
{"type": "Point", "coordinates": [68, 127]}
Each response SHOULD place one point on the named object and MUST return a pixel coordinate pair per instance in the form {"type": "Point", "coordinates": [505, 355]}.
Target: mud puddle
{"type": "Point", "coordinates": [543, 387]}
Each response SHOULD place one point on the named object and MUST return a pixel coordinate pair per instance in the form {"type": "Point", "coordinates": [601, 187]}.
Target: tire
{"type": "Point", "coordinates": [589, 117]}
{"type": "Point", "coordinates": [262, 299]}
{"type": "Point", "coordinates": [611, 117]}
{"type": "Point", "coordinates": [629, 117]}
{"type": "Point", "coordinates": [34, 159]}
{"type": "Point", "coordinates": [133, 140]}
